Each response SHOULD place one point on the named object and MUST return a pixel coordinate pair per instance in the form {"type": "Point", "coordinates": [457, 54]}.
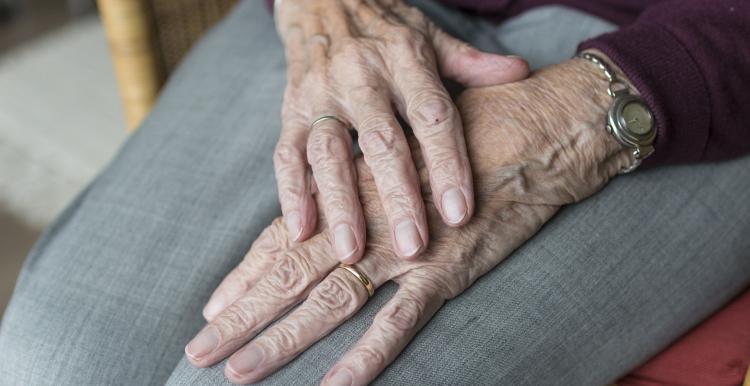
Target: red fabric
{"type": "Point", "coordinates": [716, 353]}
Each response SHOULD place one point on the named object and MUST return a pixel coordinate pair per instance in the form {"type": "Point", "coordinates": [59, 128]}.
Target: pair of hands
{"type": "Point", "coordinates": [534, 146]}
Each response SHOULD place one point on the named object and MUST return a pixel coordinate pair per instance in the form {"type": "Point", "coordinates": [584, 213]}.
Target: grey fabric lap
{"type": "Point", "coordinates": [114, 290]}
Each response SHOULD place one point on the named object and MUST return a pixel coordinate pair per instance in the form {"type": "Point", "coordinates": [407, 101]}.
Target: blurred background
{"type": "Point", "coordinates": [61, 118]}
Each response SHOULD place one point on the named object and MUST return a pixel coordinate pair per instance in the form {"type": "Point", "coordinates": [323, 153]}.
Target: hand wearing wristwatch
{"type": "Point", "coordinates": [629, 118]}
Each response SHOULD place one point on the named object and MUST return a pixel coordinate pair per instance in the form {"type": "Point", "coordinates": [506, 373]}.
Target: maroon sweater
{"type": "Point", "coordinates": [690, 59]}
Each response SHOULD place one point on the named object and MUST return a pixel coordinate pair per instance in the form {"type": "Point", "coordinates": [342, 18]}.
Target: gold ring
{"type": "Point", "coordinates": [360, 276]}
{"type": "Point", "coordinates": [324, 118]}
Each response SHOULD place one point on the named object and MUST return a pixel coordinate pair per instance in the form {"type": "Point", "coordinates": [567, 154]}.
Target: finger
{"type": "Point", "coordinates": [387, 153]}
{"type": "Point", "coordinates": [329, 151]}
{"type": "Point", "coordinates": [290, 279]}
{"type": "Point", "coordinates": [272, 242]}
{"type": "Point", "coordinates": [332, 302]}
{"type": "Point", "coordinates": [394, 326]}
{"type": "Point", "coordinates": [293, 180]}
{"type": "Point", "coordinates": [437, 126]}
{"type": "Point", "coordinates": [471, 67]}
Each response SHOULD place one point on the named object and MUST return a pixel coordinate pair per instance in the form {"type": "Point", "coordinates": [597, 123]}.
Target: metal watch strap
{"type": "Point", "coordinates": [620, 92]}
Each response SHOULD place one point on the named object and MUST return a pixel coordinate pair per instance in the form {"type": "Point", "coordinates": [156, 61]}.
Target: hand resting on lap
{"type": "Point", "coordinates": [357, 64]}
{"type": "Point", "coordinates": [534, 146]}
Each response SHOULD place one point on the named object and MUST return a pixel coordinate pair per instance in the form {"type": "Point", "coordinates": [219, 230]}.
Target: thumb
{"type": "Point", "coordinates": [459, 61]}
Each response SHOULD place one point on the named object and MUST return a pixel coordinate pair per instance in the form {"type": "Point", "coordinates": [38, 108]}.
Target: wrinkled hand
{"type": "Point", "coordinates": [363, 61]}
{"type": "Point", "coordinates": [534, 145]}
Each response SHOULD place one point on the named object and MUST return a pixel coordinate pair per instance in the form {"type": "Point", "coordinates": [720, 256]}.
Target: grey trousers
{"type": "Point", "coordinates": [114, 290]}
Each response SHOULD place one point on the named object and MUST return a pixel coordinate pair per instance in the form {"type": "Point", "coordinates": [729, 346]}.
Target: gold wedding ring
{"type": "Point", "coordinates": [360, 276]}
{"type": "Point", "coordinates": [325, 118]}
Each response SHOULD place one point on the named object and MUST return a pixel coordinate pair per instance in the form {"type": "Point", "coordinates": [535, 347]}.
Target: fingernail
{"type": "Point", "coordinates": [214, 306]}
{"type": "Point", "coordinates": [454, 206]}
{"type": "Point", "coordinates": [293, 225]}
{"type": "Point", "coordinates": [342, 377]}
{"type": "Point", "coordinates": [204, 343]}
{"type": "Point", "coordinates": [408, 239]}
{"type": "Point", "coordinates": [346, 243]}
{"type": "Point", "coordinates": [246, 360]}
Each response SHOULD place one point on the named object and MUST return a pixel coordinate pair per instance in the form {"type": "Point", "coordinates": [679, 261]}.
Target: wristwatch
{"type": "Point", "coordinates": [629, 118]}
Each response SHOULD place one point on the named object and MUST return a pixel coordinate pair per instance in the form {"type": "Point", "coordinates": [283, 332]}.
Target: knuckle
{"type": "Point", "coordinates": [235, 320]}
{"type": "Point", "coordinates": [350, 51]}
{"type": "Point", "coordinates": [430, 110]}
{"type": "Point", "coordinates": [363, 85]}
{"type": "Point", "coordinates": [449, 280]}
{"type": "Point", "coordinates": [401, 199]}
{"type": "Point", "coordinates": [240, 275]}
{"type": "Point", "coordinates": [291, 186]}
{"type": "Point", "coordinates": [413, 46]}
{"type": "Point", "coordinates": [349, 46]}
{"type": "Point", "coordinates": [338, 196]}
{"type": "Point", "coordinates": [320, 246]}
{"type": "Point", "coordinates": [290, 192]}
{"type": "Point", "coordinates": [318, 40]}
{"type": "Point", "coordinates": [339, 204]}
{"type": "Point", "coordinates": [445, 167]}
{"type": "Point", "coordinates": [283, 339]}
{"type": "Point", "coordinates": [370, 357]}
{"type": "Point", "coordinates": [359, 80]}
{"type": "Point", "coordinates": [376, 23]}
{"type": "Point", "coordinates": [379, 138]}
{"type": "Point", "coordinates": [272, 240]}
{"type": "Point", "coordinates": [403, 315]}
{"type": "Point", "coordinates": [413, 14]}
{"type": "Point", "coordinates": [287, 155]}
{"type": "Point", "coordinates": [401, 34]}
{"type": "Point", "coordinates": [333, 298]}
{"type": "Point", "coordinates": [365, 89]}
{"type": "Point", "coordinates": [326, 146]}
{"type": "Point", "coordinates": [290, 276]}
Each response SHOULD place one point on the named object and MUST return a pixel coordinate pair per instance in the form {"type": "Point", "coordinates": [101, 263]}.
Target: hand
{"type": "Point", "coordinates": [363, 61]}
{"type": "Point", "coordinates": [535, 145]}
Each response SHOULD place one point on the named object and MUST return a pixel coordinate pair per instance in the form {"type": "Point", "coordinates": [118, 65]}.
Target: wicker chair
{"type": "Point", "coordinates": [148, 38]}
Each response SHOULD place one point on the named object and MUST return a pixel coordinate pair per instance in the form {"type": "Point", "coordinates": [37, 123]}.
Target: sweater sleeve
{"type": "Point", "coordinates": [690, 59]}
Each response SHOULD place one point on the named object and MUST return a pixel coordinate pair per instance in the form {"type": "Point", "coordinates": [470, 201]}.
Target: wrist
{"type": "Point", "coordinates": [629, 119]}
{"type": "Point", "coordinates": [549, 129]}
{"type": "Point", "coordinates": [590, 97]}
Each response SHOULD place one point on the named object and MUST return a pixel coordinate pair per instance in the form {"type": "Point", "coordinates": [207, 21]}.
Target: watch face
{"type": "Point", "coordinates": [637, 117]}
